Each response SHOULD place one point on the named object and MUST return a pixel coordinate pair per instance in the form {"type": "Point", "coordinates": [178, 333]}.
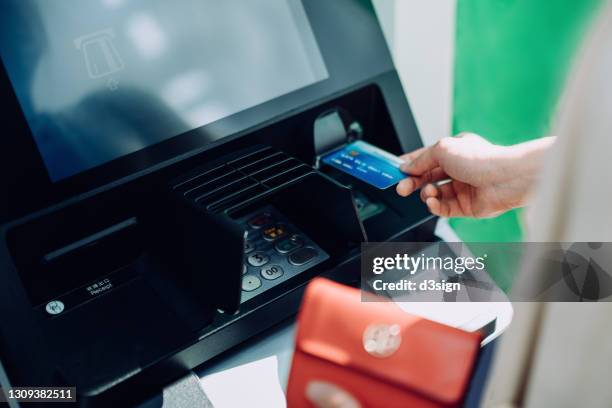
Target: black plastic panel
{"type": "Point", "coordinates": [181, 260]}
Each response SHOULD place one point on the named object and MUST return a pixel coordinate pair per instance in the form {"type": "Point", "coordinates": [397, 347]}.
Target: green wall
{"type": "Point", "coordinates": [511, 61]}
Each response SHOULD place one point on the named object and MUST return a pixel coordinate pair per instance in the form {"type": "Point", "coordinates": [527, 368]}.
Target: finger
{"type": "Point", "coordinates": [433, 205]}
{"type": "Point", "coordinates": [411, 156]}
{"type": "Point", "coordinates": [442, 188]}
{"type": "Point", "coordinates": [447, 190]}
{"type": "Point", "coordinates": [406, 187]}
{"type": "Point", "coordinates": [425, 161]}
{"type": "Point", "coordinates": [430, 190]}
{"type": "Point", "coordinates": [444, 207]}
{"type": "Point", "coordinates": [455, 199]}
{"type": "Point", "coordinates": [410, 184]}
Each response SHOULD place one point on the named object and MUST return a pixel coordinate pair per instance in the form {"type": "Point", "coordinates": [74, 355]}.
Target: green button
{"type": "Point", "coordinates": [289, 244]}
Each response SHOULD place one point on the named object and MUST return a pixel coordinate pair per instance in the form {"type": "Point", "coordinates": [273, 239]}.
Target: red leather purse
{"type": "Point", "coordinates": [377, 353]}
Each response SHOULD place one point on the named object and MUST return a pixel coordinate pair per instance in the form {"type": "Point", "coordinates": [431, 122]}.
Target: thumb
{"type": "Point", "coordinates": [427, 160]}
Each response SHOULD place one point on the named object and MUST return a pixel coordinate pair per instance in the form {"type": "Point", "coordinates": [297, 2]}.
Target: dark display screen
{"type": "Point", "coordinates": [100, 79]}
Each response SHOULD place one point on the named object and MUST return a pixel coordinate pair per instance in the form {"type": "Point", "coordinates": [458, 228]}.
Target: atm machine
{"type": "Point", "coordinates": [162, 200]}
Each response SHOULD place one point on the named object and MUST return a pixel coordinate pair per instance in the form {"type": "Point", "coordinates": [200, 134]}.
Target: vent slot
{"type": "Point", "coordinates": [251, 158]}
{"type": "Point", "coordinates": [264, 163]}
{"type": "Point", "coordinates": [241, 179]}
{"type": "Point", "coordinates": [201, 178]}
{"type": "Point", "coordinates": [288, 176]}
{"type": "Point", "coordinates": [213, 185]}
{"type": "Point", "coordinates": [277, 169]}
{"type": "Point", "coordinates": [236, 199]}
{"type": "Point", "coordinates": [226, 191]}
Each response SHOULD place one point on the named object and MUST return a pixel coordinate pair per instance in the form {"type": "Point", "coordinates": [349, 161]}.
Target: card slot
{"type": "Point", "coordinates": [213, 185]}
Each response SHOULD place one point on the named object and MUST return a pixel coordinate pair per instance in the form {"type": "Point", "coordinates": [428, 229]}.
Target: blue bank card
{"type": "Point", "coordinates": [367, 163]}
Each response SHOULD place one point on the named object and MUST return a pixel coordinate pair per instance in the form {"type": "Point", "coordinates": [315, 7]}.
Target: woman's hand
{"type": "Point", "coordinates": [466, 176]}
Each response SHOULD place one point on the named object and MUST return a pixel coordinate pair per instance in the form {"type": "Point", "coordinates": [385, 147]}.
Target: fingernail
{"type": "Point", "coordinates": [405, 166]}
{"type": "Point", "coordinates": [429, 202]}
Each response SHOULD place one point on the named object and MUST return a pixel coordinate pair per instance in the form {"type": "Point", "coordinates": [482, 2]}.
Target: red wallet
{"type": "Point", "coordinates": [376, 352]}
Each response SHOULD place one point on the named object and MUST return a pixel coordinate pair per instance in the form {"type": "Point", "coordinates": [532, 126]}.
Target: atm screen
{"type": "Point", "coordinates": [100, 79]}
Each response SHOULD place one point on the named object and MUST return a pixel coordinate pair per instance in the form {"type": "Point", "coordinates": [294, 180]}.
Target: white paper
{"type": "Point", "coordinates": [250, 385]}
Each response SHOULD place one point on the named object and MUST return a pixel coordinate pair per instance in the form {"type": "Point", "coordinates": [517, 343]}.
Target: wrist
{"type": "Point", "coordinates": [523, 165]}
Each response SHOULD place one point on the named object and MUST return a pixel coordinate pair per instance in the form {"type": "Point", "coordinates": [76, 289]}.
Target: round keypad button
{"type": "Point", "coordinates": [274, 231]}
{"type": "Point", "coordinates": [260, 220]}
{"type": "Point", "coordinates": [303, 256]}
{"type": "Point", "coordinates": [258, 259]}
{"type": "Point", "coordinates": [287, 245]}
{"type": "Point", "coordinates": [272, 272]}
{"type": "Point", "coordinates": [250, 283]}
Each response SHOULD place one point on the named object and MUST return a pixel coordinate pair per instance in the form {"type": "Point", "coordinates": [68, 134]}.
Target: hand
{"type": "Point", "coordinates": [479, 179]}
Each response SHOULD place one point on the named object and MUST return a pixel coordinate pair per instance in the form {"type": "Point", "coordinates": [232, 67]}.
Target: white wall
{"type": "Point", "coordinates": [421, 35]}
